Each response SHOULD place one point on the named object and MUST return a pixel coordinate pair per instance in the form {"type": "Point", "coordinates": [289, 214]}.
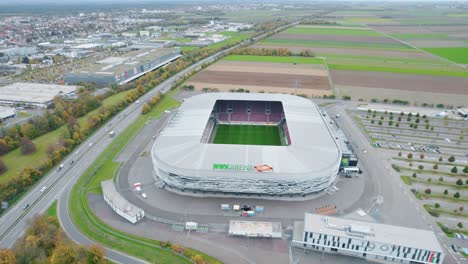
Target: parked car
{"type": "Point", "coordinates": [454, 248]}
{"type": "Point", "coordinates": [26, 207]}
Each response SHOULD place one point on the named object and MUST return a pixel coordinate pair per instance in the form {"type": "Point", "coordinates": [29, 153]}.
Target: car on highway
{"type": "Point", "coordinates": [90, 144]}
{"type": "Point", "coordinates": [26, 207]}
{"type": "Point", "coordinates": [43, 188]}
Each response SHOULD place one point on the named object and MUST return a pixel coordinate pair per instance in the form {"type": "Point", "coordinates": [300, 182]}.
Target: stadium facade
{"type": "Point", "coordinates": [190, 157]}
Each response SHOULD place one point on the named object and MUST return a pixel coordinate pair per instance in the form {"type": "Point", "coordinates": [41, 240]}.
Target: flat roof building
{"type": "Point", "coordinates": [124, 68]}
{"type": "Point", "coordinates": [7, 112]}
{"type": "Point", "coordinates": [33, 94]}
{"type": "Point", "coordinates": [367, 240]}
{"type": "Point", "coordinates": [255, 229]}
{"type": "Point", "coordinates": [118, 203]}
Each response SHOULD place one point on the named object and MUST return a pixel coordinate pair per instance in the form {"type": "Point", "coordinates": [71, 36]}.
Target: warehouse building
{"type": "Point", "coordinates": [33, 94]}
{"type": "Point", "coordinates": [123, 69]}
{"type": "Point", "coordinates": [7, 112]}
{"type": "Point", "coordinates": [367, 240]}
{"type": "Point", "coordinates": [119, 204]}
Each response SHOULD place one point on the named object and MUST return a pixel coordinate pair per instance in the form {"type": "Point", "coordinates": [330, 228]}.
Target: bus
{"type": "Point", "coordinates": [350, 170]}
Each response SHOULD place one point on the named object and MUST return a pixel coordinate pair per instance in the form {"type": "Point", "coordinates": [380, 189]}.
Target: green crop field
{"type": "Point", "coordinates": [458, 54]}
{"type": "Point", "coordinates": [278, 59]}
{"type": "Point", "coordinates": [332, 31]}
{"type": "Point", "coordinates": [247, 135]}
{"type": "Point", "coordinates": [334, 44]}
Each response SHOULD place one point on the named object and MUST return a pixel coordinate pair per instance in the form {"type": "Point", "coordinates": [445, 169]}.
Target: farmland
{"type": "Point", "coordinates": [371, 60]}
{"type": "Point", "coordinates": [299, 75]}
{"type": "Point", "coordinates": [456, 54]}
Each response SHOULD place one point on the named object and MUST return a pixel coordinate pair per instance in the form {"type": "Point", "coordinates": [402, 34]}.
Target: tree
{"type": "Point", "coordinates": [441, 159]}
{"type": "Point", "coordinates": [454, 169]}
{"type": "Point", "coordinates": [146, 108]}
{"type": "Point", "coordinates": [427, 191]}
{"type": "Point", "coordinates": [451, 159]}
{"type": "Point", "coordinates": [421, 167]}
{"type": "Point", "coordinates": [429, 179]}
{"type": "Point", "coordinates": [415, 175]}
{"type": "Point", "coordinates": [421, 156]}
{"type": "Point", "coordinates": [410, 155]}
{"type": "Point", "coordinates": [380, 122]}
{"type": "Point", "coordinates": [459, 182]}
{"type": "Point", "coordinates": [399, 154]}
{"type": "Point", "coordinates": [461, 208]}
{"type": "Point", "coordinates": [27, 146]}
{"type": "Point", "coordinates": [460, 225]}
{"type": "Point", "coordinates": [445, 192]}
{"type": "Point", "coordinates": [96, 255]}
{"type": "Point", "coordinates": [3, 147]}
{"type": "Point", "coordinates": [436, 205]}
{"type": "Point", "coordinates": [456, 195]}
{"type": "Point", "coordinates": [465, 170]}
{"type": "Point", "coordinates": [3, 167]}
{"type": "Point", "coordinates": [7, 256]}
{"type": "Point", "coordinates": [198, 259]}
{"type": "Point", "coordinates": [63, 253]}
{"type": "Point", "coordinates": [441, 179]}
{"type": "Point", "coordinates": [435, 167]}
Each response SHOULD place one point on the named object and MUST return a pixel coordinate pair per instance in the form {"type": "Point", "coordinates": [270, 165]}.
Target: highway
{"type": "Point", "coordinates": [14, 222]}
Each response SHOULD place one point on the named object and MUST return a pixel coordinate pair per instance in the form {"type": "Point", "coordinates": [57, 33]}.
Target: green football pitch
{"type": "Point", "coordinates": [247, 135]}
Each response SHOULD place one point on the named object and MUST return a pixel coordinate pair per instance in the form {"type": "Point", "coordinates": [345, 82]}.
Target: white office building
{"type": "Point", "coordinates": [367, 240]}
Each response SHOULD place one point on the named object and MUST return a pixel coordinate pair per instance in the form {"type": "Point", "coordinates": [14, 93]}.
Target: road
{"type": "Point", "coordinates": [14, 222]}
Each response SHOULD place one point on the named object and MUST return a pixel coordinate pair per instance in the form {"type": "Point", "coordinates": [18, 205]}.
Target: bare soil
{"type": "Point", "coordinates": [370, 39]}
{"type": "Point", "coordinates": [417, 98]}
{"type": "Point", "coordinates": [274, 68]}
{"type": "Point", "coordinates": [263, 79]}
{"type": "Point", "coordinates": [408, 82]}
{"type": "Point", "coordinates": [354, 51]}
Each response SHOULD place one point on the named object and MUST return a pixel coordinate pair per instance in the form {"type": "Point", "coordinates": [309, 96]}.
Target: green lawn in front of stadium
{"type": "Point", "coordinates": [247, 135]}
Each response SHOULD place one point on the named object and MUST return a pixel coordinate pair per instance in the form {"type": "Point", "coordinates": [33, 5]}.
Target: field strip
{"type": "Point", "coordinates": [290, 69]}
{"type": "Point", "coordinates": [337, 27]}
{"type": "Point", "coordinates": [421, 50]}
{"type": "Point", "coordinates": [257, 89]}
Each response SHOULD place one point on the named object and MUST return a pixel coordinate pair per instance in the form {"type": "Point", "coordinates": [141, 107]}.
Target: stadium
{"type": "Point", "coordinates": [244, 144]}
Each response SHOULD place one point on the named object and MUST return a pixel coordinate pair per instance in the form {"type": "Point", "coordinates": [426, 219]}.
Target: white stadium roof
{"type": "Point", "coordinates": [312, 151]}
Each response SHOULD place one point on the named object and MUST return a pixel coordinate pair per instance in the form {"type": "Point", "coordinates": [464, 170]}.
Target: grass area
{"type": "Point", "coordinates": [184, 40]}
{"type": "Point", "coordinates": [144, 248]}
{"type": "Point", "coordinates": [15, 161]}
{"type": "Point", "coordinates": [247, 135]}
{"type": "Point", "coordinates": [335, 44]}
{"type": "Point", "coordinates": [188, 48]}
{"type": "Point", "coordinates": [407, 180]}
{"type": "Point", "coordinates": [278, 59]}
{"type": "Point", "coordinates": [24, 114]}
{"type": "Point", "coordinates": [420, 36]}
{"type": "Point", "coordinates": [52, 210]}
{"type": "Point", "coordinates": [399, 70]}
{"type": "Point", "coordinates": [430, 208]}
{"type": "Point", "coordinates": [457, 54]}
{"type": "Point", "coordinates": [332, 31]}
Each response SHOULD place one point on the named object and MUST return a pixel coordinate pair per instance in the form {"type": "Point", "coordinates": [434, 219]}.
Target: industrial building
{"type": "Point", "coordinates": [188, 161]}
{"type": "Point", "coordinates": [7, 112]}
{"type": "Point", "coordinates": [124, 68]}
{"type": "Point", "coordinates": [367, 240]}
{"type": "Point", "coordinates": [33, 94]}
{"type": "Point", "coordinates": [119, 204]}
